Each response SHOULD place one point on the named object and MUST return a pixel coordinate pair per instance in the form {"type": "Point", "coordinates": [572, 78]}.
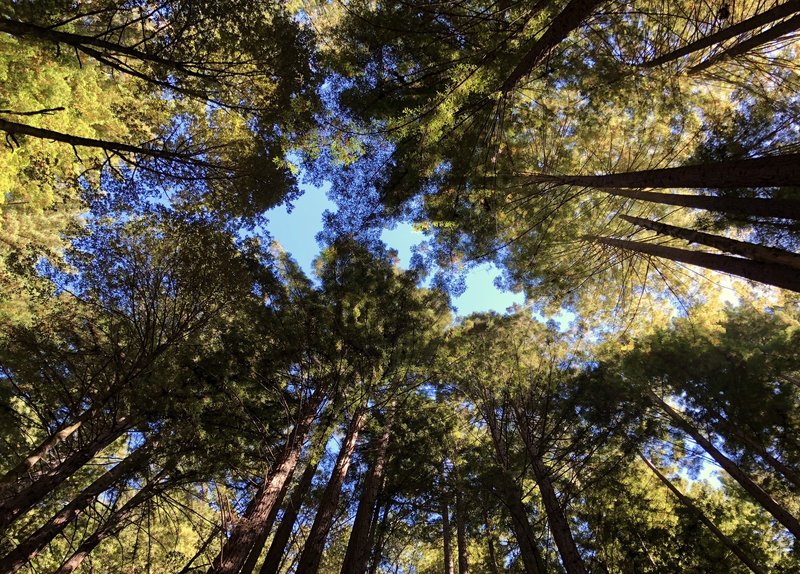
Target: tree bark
{"type": "Point", "coordinates": [15, 128]}
{"type": "Point", "coordinates": [447, 535]}
{"type": "Point", "coordinates": [277, 549]}
{"type": "Point", "coordinates": [770, 505]}
{"type": "Point", "coordinates": [771, 171]}
{"type": "Point", "coordinates": [573, 15]}
{"type": "Point", "coordinates": [529, 551]}
{"type": "Point", "coordinates": [17, 505]}
{"type": "Point", "coordinates": [749, 206]}
{"type": "Point", "coordinates": [461, 535]}
{"type": "Point", "coordinates": [570, 557]}
{"type": "Point", "coordinates": [258, 545]}
{"type": "Point", "coordinates": [38, 453]}
{"type": "Point", "coordinates": [770, 35]}
{"type": "Point", "coordinates": [357, 555]}
{"type": "Point", "coordinates": [752, 251]}
{"type": "Point", "coordinates": [766, 17]}
{"type": "Point", "coordinates": [236, 549]}
{"type": "Point", "coordinates": [25, 29]}
{"type": "Point", "coordinates": [113, 525]}
{"type": "Point", "coordinates": [490, 544]}
{"type": "Point", "coordinates": [311, 556]}
{"type": "Point", "coordinates": [33, 544]}
{"type": "Point", "coordinates": [734, 432]}
{"type": "Point", "coordinates": [770, 274]}
{"type": "Point", "coordinates": [688, 503]}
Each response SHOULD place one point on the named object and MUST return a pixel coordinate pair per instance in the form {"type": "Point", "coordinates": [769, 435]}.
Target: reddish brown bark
{"type": "Point", "coordinates": [311, 556]}
{"type": "Point", "coordinates": [357, 554]}
{"type": "Point", "coordinates": [236, 549]}
{"type": "Point", "coordinates": [277, 549]}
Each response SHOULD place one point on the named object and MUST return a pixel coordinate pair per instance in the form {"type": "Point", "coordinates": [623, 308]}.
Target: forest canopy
{"type": "Point", "coordinates": [179, 395]}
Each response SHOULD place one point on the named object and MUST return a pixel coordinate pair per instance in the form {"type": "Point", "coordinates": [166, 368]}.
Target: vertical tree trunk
{"type": "Point", "coordinates": [762, 19]}
{"type": "Point", "coordinates": [33, 544]}
{"type": "Point", "coordinates": [772, 171]}
{"type": "Point", "coordinates": [570, 557]}
{"type": "Point", "coordinates": [258, 545]}
{"type": "Point", "coordinates": [378, 535]}
{"type": "Point", "coordinates": [461, 534]}
{"type": "Point", "coordinates": [114, 524]}
{"type": "Point", "coordinates": [572, 16]}
{"type": "Point", "coordinates": [770, 274]}
{"type": "Point", "coordinates": [447, 535]}
{"type": "Point", "coordinates": [277, 549]}
{"type": "Point", "coordinates": [357, 554]}
{"type": "Point", "coordinates": [768, 255]}
{"type": "Point", "coordinates": [16, 506]}
{"type": "Point", "coordinates": [490, 543]}
{"type": "Point", "coordinates": [529, 551]}
{"type": "Point", "coordinates": [687, 502]}
{"type": "Point", "coordinates": [235, 551]}
{"type": "Point", "coordinates": [770, 35]}
{"type": "Point", "coordinates": [311, 556]}
{"type": "Point", "coordinates": [770, 505]}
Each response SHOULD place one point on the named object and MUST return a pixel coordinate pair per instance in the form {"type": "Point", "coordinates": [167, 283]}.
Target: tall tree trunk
{"type": "Point", "coordinates": [770, 35]}
{"type": "Point", "coordinates": [15, 128]}
{"type": "Point", "coordinates": [277, 549]}
{"type": "Point", "coordinates": [378, 535]}
{"type": "Point", "coordinates": [236, 549]}
{"type": "Point", "coordinates": [447, 535]}
{"type": "Point", "coordinates": [39, 452]}
{"type": "Point", "coordinates": [744, 249]}
{"type": "Point", "coordinates": [772, 171]}
{"type": "Point", "coordinates": [33, 544]}
{"type": "Point", "coordinates": [26, 30]}
{"type": "Point", "coordinates": [311, 556]}
{"type": "Point", "coordinates": [17, 505]}
{"type": "Point", "coordinates": [771, 274]}
{"type": "Point", "coordinates": [461, 534]}
{"type": "Point", "coordinates": [357, 555]}
{"type": "Point", "coordinates": [492, 558]}
{"type": "Point", "coordinates": [570, 557]}
{"type": "Point", "coordinates": [748, 206]}
{"type": "Point", "coordinates": [688, 503]}
{"type": "Point", "coordinates": [732, 431]}
{"type": "Point", "coordinates": [762, 19]}
{"type": "Point", "coordinates": [770, 505]}
{"type": "Point", "coordinates": [571, 17]}
{"type": "Point", "coordinates": [113, 524]}
{"type": "Point", "coordinates": [511, 495]}
{"type": "Point", "coordinates": [258, 545]}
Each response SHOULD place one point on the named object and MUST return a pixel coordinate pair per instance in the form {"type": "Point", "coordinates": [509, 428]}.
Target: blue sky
{"type": "Point", "coordinates": [295, 231]}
